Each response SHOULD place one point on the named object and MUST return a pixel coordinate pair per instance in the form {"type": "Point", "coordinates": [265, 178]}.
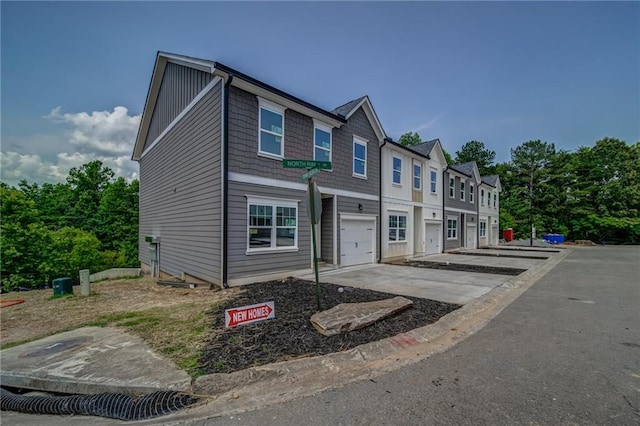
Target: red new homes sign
{"type": "Point", "coordinates": [249, 314]}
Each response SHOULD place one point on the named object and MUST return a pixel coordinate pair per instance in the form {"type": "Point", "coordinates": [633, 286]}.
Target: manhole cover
{"type": "Point", "coordinates": [55, 347]}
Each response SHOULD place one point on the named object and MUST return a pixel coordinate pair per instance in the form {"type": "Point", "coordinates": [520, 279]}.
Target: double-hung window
{"type": "Point", "coordinates": [397, 171]}
{"type": "Point", "coordinates": [495, 199]}
{"type": "Point", "coordinates": [271, 224]}
{"type": "Point", "coordinates": [434, 181]}
{"type": "Point", "coordinates": [452, 187]}
{"type": "Point", "coordinates": [397, 227]}
{"type": "Point", "coordinates": [471, 188]}
{"type": "Point", "coordinates": [461, 190]}
{"type": "Point", "coordinates": [483, 229]}
{"type": "Point", "coordinates": [482, 197]}
{"type": "Point", "coordinates": [359, 157]}
{"type": "Point", "coordinates": [271, 129]}
{"type": "Point", "coordinates": [321, 141]}
{"type": "Point", "coordinates": [417, 177]}
{"type": "Point", "coordinates": [452, 228]}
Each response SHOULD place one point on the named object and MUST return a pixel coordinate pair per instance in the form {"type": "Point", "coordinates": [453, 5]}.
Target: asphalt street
{"type": "Point", "coordinates": [567, 351]}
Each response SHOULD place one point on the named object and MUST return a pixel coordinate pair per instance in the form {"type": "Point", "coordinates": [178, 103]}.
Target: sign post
{"type": "Point", "coordinates": [313, 168]}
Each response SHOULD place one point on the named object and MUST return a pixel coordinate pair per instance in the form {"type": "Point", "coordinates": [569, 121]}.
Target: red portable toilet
{"type": "Point", "coordinates": [507, 234]}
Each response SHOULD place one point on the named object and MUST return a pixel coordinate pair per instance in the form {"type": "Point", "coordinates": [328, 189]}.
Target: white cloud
{"type": "Point", "coordinates": [101, 135]}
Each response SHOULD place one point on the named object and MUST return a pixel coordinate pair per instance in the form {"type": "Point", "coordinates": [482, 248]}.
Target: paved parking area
{"type": "Point", "coordinates": [502, 262]}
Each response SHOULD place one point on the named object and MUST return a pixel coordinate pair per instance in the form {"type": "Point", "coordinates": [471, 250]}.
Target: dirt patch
{"type": "Point", "coordinates": [290, 335]}
{"type": "Point", "coordinates": [463, 267]}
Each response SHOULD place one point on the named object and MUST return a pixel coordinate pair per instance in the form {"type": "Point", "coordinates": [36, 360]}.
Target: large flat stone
{"type": "Point", "coordinates": [352, 316]}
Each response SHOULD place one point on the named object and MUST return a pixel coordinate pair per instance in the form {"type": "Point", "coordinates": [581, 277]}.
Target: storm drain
{"type": "Point", "coordinates": [114, 406]}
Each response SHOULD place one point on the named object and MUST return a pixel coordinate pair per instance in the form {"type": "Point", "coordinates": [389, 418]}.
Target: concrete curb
{"type": "Point", "coordinates": [276, 383]}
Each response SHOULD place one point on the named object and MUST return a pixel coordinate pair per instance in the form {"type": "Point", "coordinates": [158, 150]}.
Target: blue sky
{"type": "Point", "coordinates": [75, 75]}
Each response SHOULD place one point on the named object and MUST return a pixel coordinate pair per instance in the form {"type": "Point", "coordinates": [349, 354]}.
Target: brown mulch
{"type": "Point", "coordinates": [290, 334]}
{"type": "Point", "coordinates": [463, 267]}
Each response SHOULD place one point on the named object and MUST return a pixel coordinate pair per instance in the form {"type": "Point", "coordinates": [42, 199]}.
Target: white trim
{"type": "Point", "coordinates": [411, 203]}
{"type": "Point", "coordinates": [398, 214]}
{"type": "Point", "coordinates": [335, 229]}
{"type": "Point", "coordinates": [453, 209]}
{"type": "Point", "coordinates": [366, 218]}
{"type": "Point", "coordinates": [371, 115]}
{"type": "Point", "coordinates": [351, 216]}
{"type": "Point", "coordinates": [274, 203]}
{"type": "Point", "coordinates": [454, 187]}
{"type": "Point", "coordinates": [415, 163]}
{"type": "Point", "coordinates": [276, 109]}
{"type": "Point", "coordinates": [327, 129]}
{"type": "Point", "coordinates": [259, 198]}
{"type": "Point", "coordinates": [457, 228]}
{"type": "Point", "coordinates": [200, 64]}
{"type": "Point", "coordinates": [462, 191]}
{"type": "Point", "coordinates": [277, 183]}
{"type": "Point", "coordinates": [360, 141]}
{"type": "Point", "coordinates": [393, 170]}
{"type": "Point", "coordinates": [267, 104]}
{"type": "Point", "coordinates": [472, 198]}
{"type": "Point", "coordinates": [432, 170]}
{"type": "Point", "coordinates": [184, 112]}
{"type": "Point", "coordinates": [223, 224]}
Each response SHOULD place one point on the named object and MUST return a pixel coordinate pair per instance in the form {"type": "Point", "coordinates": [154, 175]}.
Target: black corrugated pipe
{"type": "Point", "coordinates": [384, 142]}
{"type": "Point", "coordinates": [225, 181]}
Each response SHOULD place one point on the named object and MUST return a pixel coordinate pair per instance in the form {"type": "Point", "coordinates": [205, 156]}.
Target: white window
{"type": "Point", "coordinates": [452, 187]}
{"type": "Point", "coordinates": [452, 228]}
{"type": "Point", "coordinates": [359, 157]}
{"type": "Point", "coordinates": [482, 197]}
{"type": "Point", "coordinates": [397, 171]}
{"type": "Point", "coordinates": [434, 181]}
{"type": "Point", "coordinates": [483, 229]}
{"type": "Point", "coordinates": [495, 199]}
{"type": "Point", "coordinates": [417, 176]}
{"type": "Point", "coordinates": [397, 227]}
{"type": "Point", "coordinates": [471, 188]}
{"type": "Point", "coordinates": [271, 225]}
{"type": "Point", "coordinates": [321, 142]}
{"type": "Point", "coordinates": [461, 190]}
{"type": "Point", "coordinates": [271, 129]}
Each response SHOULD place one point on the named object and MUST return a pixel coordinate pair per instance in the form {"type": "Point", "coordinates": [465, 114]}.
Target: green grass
{"type": "Point", "coordinates": [12, 344]}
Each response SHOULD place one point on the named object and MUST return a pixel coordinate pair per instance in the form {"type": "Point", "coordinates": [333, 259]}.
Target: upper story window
{"type": "Point", "coordinates": [417, 176]}
{"type": "Point", "coordinates": [271, 129]}
{"type": "Point", "coordinates": [321, 141]}
{"type": "Point", "coordinates": [495, 199]}
{"type": "Point", "coordinates": [482, 197]}
{"type": "Point", "coordinates": [359, 157]}
{"type": "Point", "coordinates": [434, 181]}
{"type": "Point", "coordinates": [397, 170]}
{"type": "Point", "coordinates": [271, 225]}
{"type": "Point", "coordinates": [471, 188]}
{"type": "Point", "coordinates": [452, 187]}
{"type": "Point", "coordinates": [462, 190]}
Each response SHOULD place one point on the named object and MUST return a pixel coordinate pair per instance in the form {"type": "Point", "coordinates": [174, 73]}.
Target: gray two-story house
{"type": "Point", "coordinates": [216, 203]}
{"type": "Point", "coordinates": [461, 206]}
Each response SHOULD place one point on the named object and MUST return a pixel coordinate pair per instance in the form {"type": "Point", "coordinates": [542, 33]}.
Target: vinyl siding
{"type": "Point", "coordinates": [451, 244]}
{"type": "Point", "coordinates": [180, 85]}
{"type": "Point", "coordinates": [242, 264]}
{"type": "Point", "coordinates": [326, 231]}
{"type": "Point", "coordinates": [180, 193]}
{"type": "Point", "coordinates": [456, 202]}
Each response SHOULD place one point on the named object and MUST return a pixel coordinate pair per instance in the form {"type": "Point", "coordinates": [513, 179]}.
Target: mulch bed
{"type": "Point", "coordinates": [290, 334]}
{"type": "Point", "coordinates": [463, 267]}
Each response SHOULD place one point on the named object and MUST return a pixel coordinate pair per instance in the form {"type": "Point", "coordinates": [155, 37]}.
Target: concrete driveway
{"type": "Point", "coordinates": [446, 286]}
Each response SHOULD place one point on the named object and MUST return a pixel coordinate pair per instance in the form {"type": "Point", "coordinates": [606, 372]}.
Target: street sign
{"type": "Point", "coordinates": [249, 314]}
{"type": "Point", "coordinates": [317, 203]}
{"type": "Point", "coordinates": [289, 163]}
{"type": "Point", "coordinates": [309, 174]}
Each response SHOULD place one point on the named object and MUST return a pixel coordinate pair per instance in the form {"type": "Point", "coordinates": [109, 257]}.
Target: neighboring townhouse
{"type": "Point", "coordinates": [411, 199]}
{"type": "Point", "coordinates": [216, 204]}
{"type": "Point", "coordinates": [489, 210]}
{"type": "Point", "coordinates": [461, 182]}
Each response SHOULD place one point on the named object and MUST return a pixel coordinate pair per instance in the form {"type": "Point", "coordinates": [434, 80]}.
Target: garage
{"type": "Point", "coordinates": [357, 237]}
{"type": "Point", "coordinates": [472, 241]}
{"type": "Point", "coordinates": [432, 238]}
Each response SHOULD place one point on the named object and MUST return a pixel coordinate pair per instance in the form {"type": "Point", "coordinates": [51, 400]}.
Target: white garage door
{"type": "Point", "coordinates": [432, 238]}
{"type": "Point", "coordinates": [356, 241]}
{"type": "Point", "coordinates": [471, 237]}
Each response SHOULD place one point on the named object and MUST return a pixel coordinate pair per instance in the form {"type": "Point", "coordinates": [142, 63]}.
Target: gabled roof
{"type": "Point", "coordinates": [407, 148]}
{"type": "Point", "coordinates": [469, 169]}
{"type": "Point", "coordinates": [346, 111]}
{"type": "Point", "coordinates": [493, 181]}
{"type": "Point", "coordinates": [252, 85]}
{"type": "Point", "coordinates": [425, 148]}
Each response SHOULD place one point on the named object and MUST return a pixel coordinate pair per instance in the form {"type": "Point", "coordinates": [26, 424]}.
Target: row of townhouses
{"type": "Point", "coordinates": [217, 206]}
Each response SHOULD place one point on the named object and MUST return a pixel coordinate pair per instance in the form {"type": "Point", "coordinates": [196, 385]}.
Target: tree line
{"type": "Point", "coordinates": [592, 193]}
{"type": "Point", "coordinates": [54, 230]}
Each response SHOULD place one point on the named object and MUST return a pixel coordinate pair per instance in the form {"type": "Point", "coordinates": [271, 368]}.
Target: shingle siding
{"type": "Point", "coordinates": [180, 193]}
{"type": "Point", "coordinates": [180, 85]}
{"type": "Point", "coordinates": [326, 230]}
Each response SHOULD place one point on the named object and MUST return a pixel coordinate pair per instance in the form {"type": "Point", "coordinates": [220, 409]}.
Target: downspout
{"type": "Point", "coordinates": [444, 212]}
{"type": "Point", "coordinates": [384, 142]}
{"type": "Point", "coordinates": [225, 183]}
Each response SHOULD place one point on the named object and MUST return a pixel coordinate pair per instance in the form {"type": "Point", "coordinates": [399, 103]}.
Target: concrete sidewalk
{"type": "Point", "coordinates": [502, 262]}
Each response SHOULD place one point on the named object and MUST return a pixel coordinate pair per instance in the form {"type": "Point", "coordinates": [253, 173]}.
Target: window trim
{"type": "Point", "coordinates": [462, 192]}
{"type": "Point", "coordinates": [482, 196]}
{"type": "Point", "coordinates": [433, 183]}
{"type": "Point", "coordinates": [363, 142]}
{"type": "Point", "coordinates": [327, 129]}
{"type": "Point", "coordinates": [452, 188]}
{"type": "Point", "coordinates": [277, 109]}
{"type": "Point", "coordinates": [455, 229]}
{"type": "Point", "coordinates": [471, 194]}
{"type": "Point", "coordinates": [398, 228]}
{"type": "Point", "coordinates": [394, 171]}
{"type": "Point", "coordinates": [274, 203]}
{"type": "Point", "coordinates": [495, 199]}
{"type": "Point", "coordinates": [482, 222]}
{"type": "Point", "coordinates": [419, 177]}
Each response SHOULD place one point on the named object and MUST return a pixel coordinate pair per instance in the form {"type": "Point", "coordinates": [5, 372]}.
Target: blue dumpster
{"type": "Point", "coordinates": [553, 238]}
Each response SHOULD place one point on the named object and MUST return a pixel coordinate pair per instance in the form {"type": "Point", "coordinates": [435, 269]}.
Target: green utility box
{"type": "Point", "coordinates": [62, 286]}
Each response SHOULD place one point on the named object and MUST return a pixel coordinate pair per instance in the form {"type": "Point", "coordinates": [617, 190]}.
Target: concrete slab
{"type": "Point", "coordinates": [511, 253]}
{"type": "Point", "coordinates": [90, 360]}
{"type": "Point", "coordinates": [502, 262]}
{"type": "Point", "coordinates": [445, 286]}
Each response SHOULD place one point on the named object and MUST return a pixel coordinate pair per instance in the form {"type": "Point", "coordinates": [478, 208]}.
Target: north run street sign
{"type": "Point", "coordinates": [289, 163]}
{"type": "Point", "coordinates": [249, 314]}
